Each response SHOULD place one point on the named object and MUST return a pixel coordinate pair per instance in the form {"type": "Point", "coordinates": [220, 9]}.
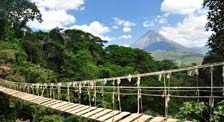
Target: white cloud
{"type": "Point", "coordinates": [181, 6]}
{"type": "Point", "coordinates": [55, 13]}
{"type": "Point", "coordinates": [124, 24]}
{"type": "Point", "coordinates": [125, 37]}
{"type": "Point", "coordinates": [52, 19]}
{"type": "Point", "coordinates": [147, 24]}
{"type": "Point", "coordinates": [59, 4]}
{"type": "Point", "coordinates": [96, 28]}
{"type": "Point", "coordinates": [157, 21]}
{"type": "Point", "coordinates": [190, 32]}
{"type": "Point", "coordinates": [126, 45]}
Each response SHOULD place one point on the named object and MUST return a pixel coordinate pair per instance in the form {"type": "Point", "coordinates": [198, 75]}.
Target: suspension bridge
{"type": "Point", "coordinates": [89, 99]}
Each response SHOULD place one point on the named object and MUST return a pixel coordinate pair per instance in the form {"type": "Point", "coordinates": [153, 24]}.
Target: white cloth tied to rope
{"type": "Point", "coordinates": [168, 76]}
{"type": "Point", "coordinates": [129, 78]}
{"type": "Point", "coordinates": [104, 81]}
{"type": "Point", "coordinates": [160, 77]}
{"type": "Point", "coordinates": [196, 71]}
{"type": "Point", "coordinates": [80, 88]}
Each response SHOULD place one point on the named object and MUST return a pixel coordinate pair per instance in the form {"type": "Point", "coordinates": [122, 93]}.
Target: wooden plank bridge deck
{"type": "Point", "coordinates": [93, 113]}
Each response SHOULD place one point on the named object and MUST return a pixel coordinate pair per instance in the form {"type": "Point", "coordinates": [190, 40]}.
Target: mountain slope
{"type": "Point", "coordinates": [164, 49]}
{"type": "Point", "coordinates": [153, 41]}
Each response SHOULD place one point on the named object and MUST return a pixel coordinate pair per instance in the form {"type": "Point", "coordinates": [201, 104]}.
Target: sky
{"type": "Point", "coordinates": [125, 21]}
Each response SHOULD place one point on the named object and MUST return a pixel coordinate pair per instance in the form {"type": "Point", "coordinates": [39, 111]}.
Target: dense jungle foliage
{"type": "Point", "coordinates": [68, 55]}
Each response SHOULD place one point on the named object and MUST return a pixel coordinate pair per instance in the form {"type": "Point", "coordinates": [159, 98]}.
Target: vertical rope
{"type": "Point", "coordinates": [89, 95]}
{"type": "Point", "coordinates": [197, 82]}
{"type": "Point", "coordinates": [94, 92]}
{"type": "Point", "coordinates": [76, 87]}
{"type": "Point", "coordinates": [104, 83]}
{"type": "Point", "coordinates": [68, 92]}
{"type": "Point", "coordinates": [113, 98]}
{"type": "Point", "coordinates": [59, 90]}
{"type": "Point", "coordinates": [166, 95]}
{"type": "Point", "coordinates": [129, 78]}
{"type": "Point", "coordinates": [33, 89]}
{"type": "Point", "coordinates": [80, 92]}
{"type": "Point", "coordinates": [37, 88]}
{"type": "Point", "coordinates": [28, 88]}
{"type": "Point", "coordinates": [139, 94]}
{"type": "Point", "coordinates": [118, 93]}
{"type": "Point", "coordinates": [53, 94]}
{"type": "Point", "coordinates": [223, 80]}
{"type": "Point", "coordinates": [44, 87]}
{"type": "Point", "coordinates": [50, 90]}
{"type": "Point", "coordinates": [211, 99]}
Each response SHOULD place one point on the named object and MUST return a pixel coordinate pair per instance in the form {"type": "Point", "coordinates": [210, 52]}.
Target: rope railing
{"type": "Point", "coordinates": [87, 92]}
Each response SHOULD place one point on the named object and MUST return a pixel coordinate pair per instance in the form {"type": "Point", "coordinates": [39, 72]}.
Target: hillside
{"type": "Point", "coordinates": [179, 58]}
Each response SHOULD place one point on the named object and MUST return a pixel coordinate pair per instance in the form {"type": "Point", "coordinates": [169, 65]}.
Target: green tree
{"type": "Point", "coordinates": [193, 111]}
{"type": "Point", "coordinates": [14, 15]}
{"type": "Point", "coordinates": [216, 25]}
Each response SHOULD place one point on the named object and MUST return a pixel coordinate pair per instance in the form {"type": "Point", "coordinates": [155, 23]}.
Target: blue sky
{"type": "Point", "coordinates": [124, 21]}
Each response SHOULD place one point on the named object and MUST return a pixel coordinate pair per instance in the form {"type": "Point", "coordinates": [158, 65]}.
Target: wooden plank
{"type": "Point", "coordinates": [100, 114]}
{"type": "Point", "coordinates": [118, 117]}
{"type": "Point", "coordinates": [107, 116]}
{"type": "Point", "coordinates": [79, 110]}
{"type": "Point", "coordinates": [62, 103]}
{"type": "Point", "coordinates": [31, 98]}
{"type": "Point", "coordinates": [18, 94]}
{"type": "Point", "coordinates": [40, 99]}
{"type": "Point", "coordinates": [157, 119]}
{"type": "Point", "coordinates": [131, 117]}
{"type": "Point", "coordinates": [49, 102]}
{"type": "Point", "coordinates": [41, 102]}
{"type": "Point", "coordinates": [143, 118]}
{"type": "Point", "coordinates": [87, 115]}
{"type": "Point", "coordinates": [68, 106]}
{"type": "Point", "coordinates": [12, 93]}
{"type": "Point", "coordinates": [73, 108]}
{"type": "Point", "coordinates": [54, 103]}
{"type": "Point", "coordinates": [86, 111]}
{"type": "Point", "coordinates": [171, 120]}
